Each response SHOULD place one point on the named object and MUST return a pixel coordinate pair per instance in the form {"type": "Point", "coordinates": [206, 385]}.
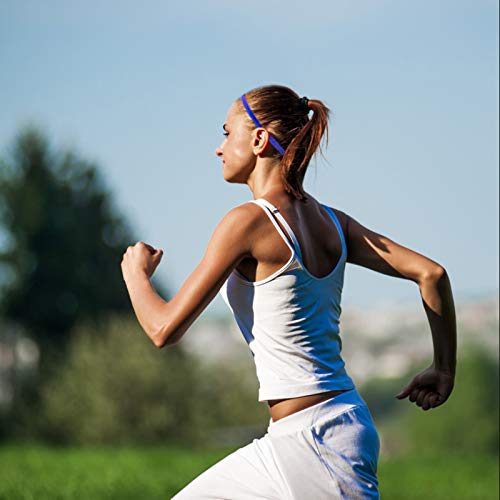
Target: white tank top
{"type": "Point", "coordinates": [290, 321]}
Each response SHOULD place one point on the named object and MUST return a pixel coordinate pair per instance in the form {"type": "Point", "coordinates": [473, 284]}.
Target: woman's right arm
{"type": "Point", "coordinates": [232, 241]}
{"type": "Point", "coordinates": [369, 249]}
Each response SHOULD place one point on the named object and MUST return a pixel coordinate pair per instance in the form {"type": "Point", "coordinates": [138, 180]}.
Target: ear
{"type": "Point", "coordinates": [260, 140]}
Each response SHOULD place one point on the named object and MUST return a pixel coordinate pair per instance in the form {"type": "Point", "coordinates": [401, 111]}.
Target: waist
{"type": "Point", "coordinates": [316, 415]}
{"type": "Point", "coordinates": [280, 408]}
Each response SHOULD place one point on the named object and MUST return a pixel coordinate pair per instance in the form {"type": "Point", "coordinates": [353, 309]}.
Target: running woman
{"type": "Point", "coordinates": [279, 262]}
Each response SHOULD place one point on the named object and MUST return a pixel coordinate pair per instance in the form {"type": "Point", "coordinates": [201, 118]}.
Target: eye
{"type": "Point", "coordinates": [225, 133]}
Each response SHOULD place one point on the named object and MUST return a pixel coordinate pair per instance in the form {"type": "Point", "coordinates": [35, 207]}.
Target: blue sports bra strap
{"type": "Point", "coordinates": [288, 229]}
{"type": "Point", "coordinates": [339, 227]}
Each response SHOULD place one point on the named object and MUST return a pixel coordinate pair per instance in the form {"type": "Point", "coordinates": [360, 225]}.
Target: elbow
{"type": "Point", "coordinates": [158, 343]}
{"type": "Point", "coordinates": [159, 339]}
{"type": "Point", "coordinates": [173, 338]}
{"type": "Point", "coordinates": [433, 274]}
{"type": "Point", "coordinates": [166, 342]}
{"type": "Point", "coordinates": [164, 338]}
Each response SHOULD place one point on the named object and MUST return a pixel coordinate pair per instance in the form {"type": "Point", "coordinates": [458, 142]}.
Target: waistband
{"type": "Point", "coordinates": [313, 415]}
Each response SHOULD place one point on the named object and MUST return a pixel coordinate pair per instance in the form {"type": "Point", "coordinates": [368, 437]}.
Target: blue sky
{"type": "Point", "coordinates": [143, 89]}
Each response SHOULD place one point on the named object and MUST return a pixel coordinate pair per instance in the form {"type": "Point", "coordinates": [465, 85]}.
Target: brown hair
{"type": "Point", "coordinates": [284, 114]}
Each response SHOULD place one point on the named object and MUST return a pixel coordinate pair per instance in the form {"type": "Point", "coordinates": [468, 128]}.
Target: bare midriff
{"type": "Point", "coordinates": [280, 408]}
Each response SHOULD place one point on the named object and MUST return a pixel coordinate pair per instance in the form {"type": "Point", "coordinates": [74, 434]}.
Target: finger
{"type": "Point", "coordinates": [142, 244]}
{"type": "Point", "coordinates": [413, 395]}
{"type": "Point", "coordinates": [150, 248]}
{"type": "Point", "coordinates": [420, 397]}
{"type": "Point", "coordinates": [437, 400]}
{"type": "Point", "coordinates": [405, 392]}
{"type": "Point", "coordinates": [426, 404]}
{"type": "Point", "coordinates": [157, 256]}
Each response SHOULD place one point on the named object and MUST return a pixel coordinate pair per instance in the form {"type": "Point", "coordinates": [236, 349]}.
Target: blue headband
{"type": "Point", "coordinates": [272, 140]}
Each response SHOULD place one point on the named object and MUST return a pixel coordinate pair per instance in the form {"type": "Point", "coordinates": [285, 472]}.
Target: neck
{"type": "Point", "coordinates": [265, 178]}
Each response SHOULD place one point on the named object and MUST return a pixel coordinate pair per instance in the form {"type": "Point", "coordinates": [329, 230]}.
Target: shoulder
{"type": "Point", "coordinates": [240, 224]}
{"type": "Point", "coordinates": [244, 216]}
{"type": "Point", "coordinates": [343, 219]}
{"type": "Point", "coordinates": [235, 232]}
{"type": "Point", "coordinates": [238, 230]}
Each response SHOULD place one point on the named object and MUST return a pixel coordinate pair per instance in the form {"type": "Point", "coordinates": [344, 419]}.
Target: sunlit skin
{"type": "Point", "coordinates": [246, 239]}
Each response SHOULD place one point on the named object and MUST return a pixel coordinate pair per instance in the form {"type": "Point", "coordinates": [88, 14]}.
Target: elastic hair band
{"type": "Point", "coordinates": [272, 140]}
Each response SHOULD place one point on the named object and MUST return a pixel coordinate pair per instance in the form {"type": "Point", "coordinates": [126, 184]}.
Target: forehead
{"type": "Point", "coordinates": [234, 116]}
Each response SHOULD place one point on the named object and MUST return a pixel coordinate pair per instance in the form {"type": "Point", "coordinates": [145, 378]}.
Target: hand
{"type": "Point", "coordinates": [141, 258]}
{"type": "Point", "coordinates": [429, 389]}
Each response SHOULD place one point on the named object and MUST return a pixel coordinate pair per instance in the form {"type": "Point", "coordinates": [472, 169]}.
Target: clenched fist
{"type": "Point", "coordinates": [139, 259]}
{"type": "Point", "coordinates": [429, 389]}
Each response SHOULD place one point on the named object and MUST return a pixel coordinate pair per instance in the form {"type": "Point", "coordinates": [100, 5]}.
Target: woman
{"type": "Point", "coordinates": [279, 263]}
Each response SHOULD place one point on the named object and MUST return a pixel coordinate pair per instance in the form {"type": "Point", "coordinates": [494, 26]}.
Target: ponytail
{"type": "Point", "coordinates": [301, 149]}
{"type": "Point", "coordinates": [286, 117]}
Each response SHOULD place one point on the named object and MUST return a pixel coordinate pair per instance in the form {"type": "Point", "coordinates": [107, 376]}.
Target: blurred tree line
{"type": "Point", "coordinates": [468, 422]}
{"type": "Point", "coordinates": [63, 240]}
{"type": "Point", "coordinates": [100, 380]}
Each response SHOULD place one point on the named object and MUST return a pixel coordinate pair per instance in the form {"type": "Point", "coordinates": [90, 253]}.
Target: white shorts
{"type": "Point", "coordinates": [327, 451]}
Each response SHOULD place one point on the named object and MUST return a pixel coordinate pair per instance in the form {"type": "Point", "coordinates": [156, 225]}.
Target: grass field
{"type": "Point", "coordinates": [39, 473]}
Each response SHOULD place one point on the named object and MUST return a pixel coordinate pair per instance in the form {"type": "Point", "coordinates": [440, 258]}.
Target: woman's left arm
{"type": "Point", "coordinates": [165, 322]}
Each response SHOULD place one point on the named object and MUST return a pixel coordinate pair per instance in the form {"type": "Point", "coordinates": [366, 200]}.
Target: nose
{"type": "Point", "coordinates": [218, 151]}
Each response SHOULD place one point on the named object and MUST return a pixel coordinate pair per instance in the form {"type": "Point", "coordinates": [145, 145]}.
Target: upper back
{"type": "Point", "coordinates": [317, 236]}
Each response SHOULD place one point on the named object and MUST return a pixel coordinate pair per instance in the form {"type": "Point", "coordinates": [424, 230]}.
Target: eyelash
{"type": "Point", "coordinates": [225, 133]}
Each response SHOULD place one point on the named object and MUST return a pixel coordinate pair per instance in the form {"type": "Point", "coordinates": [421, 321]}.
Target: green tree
{"type": "Point", "coordinates": [467, 422]}
{"type": "Point", "coordinates": [64, 241]}
{"type": "Point", "coordinates": [115, 387]}
{"type": "Point", "coordinates": [61, 246]}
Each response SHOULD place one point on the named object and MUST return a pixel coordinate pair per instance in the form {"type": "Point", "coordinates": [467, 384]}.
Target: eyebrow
{"type": "Point", "coordinates": [224, 127]}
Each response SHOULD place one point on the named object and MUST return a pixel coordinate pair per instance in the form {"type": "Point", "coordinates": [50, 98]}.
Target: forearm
{"type": "Point", "coordinates": [148, 306]}
{"type": "Point", "coordinates": [438, 303]}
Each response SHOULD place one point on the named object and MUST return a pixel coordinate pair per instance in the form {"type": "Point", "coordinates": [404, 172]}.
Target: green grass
{"type": "Point", "coordinates": [41, 473]}
{"type": "Point", "coordinates": [447, 477]}
{"type": "Point", "coordinates": [102, 473]}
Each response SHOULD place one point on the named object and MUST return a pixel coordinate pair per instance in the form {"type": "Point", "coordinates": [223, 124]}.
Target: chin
{"type": "Point", "coordinates": [234, 179]}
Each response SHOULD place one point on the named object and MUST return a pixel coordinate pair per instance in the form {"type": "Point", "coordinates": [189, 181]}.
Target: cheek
{"type": "Point", "coordinates": [241, 149]}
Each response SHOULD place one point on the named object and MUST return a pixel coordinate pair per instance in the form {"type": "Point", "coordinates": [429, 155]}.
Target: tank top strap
{"type": "Point", "coordinates": [339, 227]}
{"type": "Point", "coordinates": [275, 213]}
